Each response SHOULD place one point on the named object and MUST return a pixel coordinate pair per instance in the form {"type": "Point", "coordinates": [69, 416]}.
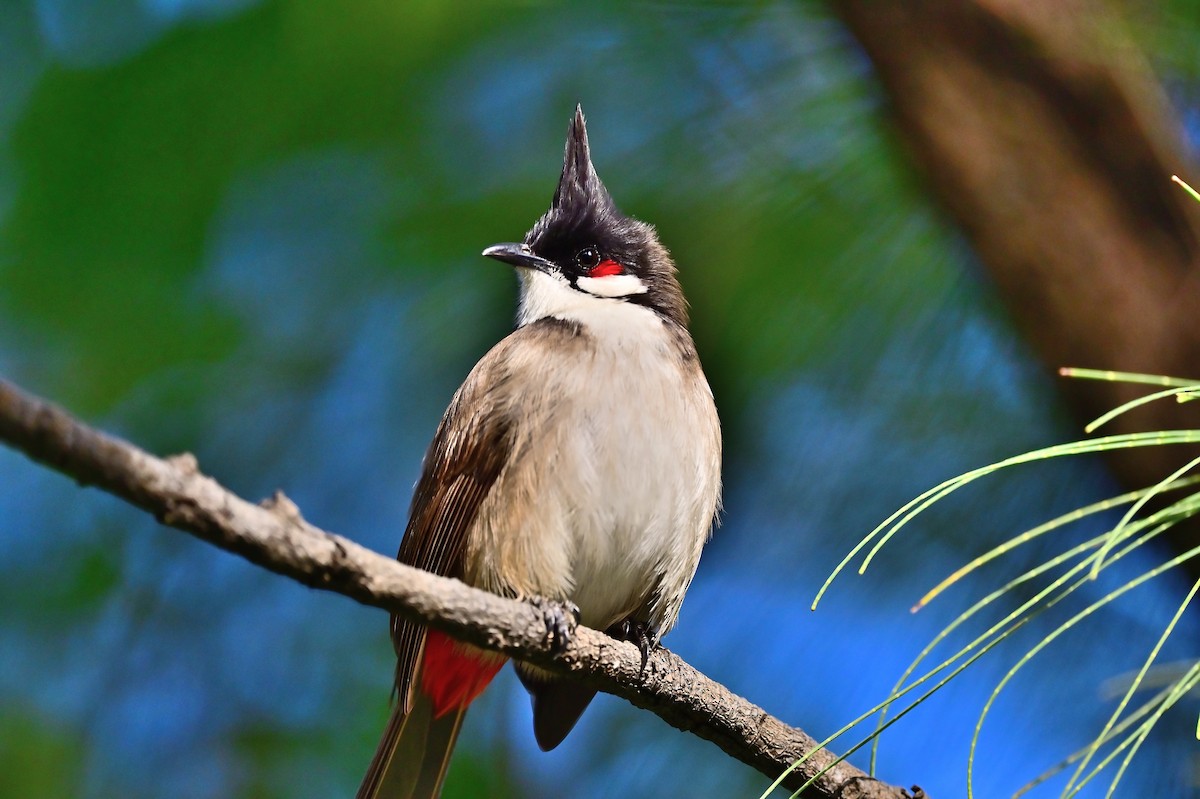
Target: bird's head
{"type": "Point", "coordinates": [584, 254]}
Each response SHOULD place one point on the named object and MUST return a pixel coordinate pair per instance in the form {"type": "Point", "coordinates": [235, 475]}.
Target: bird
{"type": "Point", "coordinates": [578, 466]}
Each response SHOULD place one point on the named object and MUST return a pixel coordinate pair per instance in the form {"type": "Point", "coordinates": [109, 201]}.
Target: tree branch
{"type": "Point", "coordinates": [275, 536]}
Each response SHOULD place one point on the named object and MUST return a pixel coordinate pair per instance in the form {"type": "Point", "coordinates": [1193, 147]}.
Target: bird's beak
{"type": "Point", "coordinates": [518, 255]}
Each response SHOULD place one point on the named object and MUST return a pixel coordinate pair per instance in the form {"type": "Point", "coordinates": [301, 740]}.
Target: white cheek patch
{"type": "Point", "coordinates": [612, 285]}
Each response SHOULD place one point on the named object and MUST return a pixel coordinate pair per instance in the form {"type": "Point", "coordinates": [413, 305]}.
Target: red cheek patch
{"type": "Point", "coordinates": [606, 268]}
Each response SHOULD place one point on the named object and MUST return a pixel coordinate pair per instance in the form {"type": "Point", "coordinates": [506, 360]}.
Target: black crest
{"type": "Point", "coordinates": [579, 185]}
{"type": "Point", "coordinates": [584, 215]}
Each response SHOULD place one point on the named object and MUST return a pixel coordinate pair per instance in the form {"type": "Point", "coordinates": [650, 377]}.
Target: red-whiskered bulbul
{"type": "Point", "coordinates": [579, 463]}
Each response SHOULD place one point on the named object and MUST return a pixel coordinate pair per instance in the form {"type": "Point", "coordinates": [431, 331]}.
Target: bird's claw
{"type": "Point", "coordinates": [637, 633]}
{"type": "Point", "coordinates": [560, 618]}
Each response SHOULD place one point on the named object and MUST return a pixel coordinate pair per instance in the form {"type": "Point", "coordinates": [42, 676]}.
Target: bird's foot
{"type": "Point", "coordinates": [560, 618]}
{"type": "Point", "coordinates": [637, 633]}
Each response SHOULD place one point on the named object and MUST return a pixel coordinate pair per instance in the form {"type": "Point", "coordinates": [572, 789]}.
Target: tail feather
{"type": "Point", "coordinates": [413, 754]}
{"type": "Point", "coordinates": [557, 704]}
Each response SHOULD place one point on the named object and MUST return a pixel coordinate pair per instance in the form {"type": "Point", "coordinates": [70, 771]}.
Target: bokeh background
{"type": "Point", "coordinates": [251, 230]}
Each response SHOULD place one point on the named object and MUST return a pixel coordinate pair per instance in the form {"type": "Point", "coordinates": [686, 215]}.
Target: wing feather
{"type": "Point", "coordinates": [464, 460]}
{"type": "Point", "coordinates": [473, 444]}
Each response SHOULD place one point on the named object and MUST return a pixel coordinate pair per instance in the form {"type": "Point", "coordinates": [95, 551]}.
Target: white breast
{"type": "Point", "coordinates": [637, 513]}
{"type": "Point", "coordinates": [612, 496]}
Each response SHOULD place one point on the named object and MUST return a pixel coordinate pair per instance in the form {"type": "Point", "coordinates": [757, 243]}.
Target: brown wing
{"type": "Point", "coordinates": [466, 456]}
{"type": "Point", "coordinates": [470, 449]}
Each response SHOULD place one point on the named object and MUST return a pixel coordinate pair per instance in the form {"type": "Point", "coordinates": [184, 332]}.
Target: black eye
{"type": "Point", "coordinates": [588, 257]}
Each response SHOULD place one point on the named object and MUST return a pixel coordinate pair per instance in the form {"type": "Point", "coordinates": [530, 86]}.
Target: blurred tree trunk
{"type": "Point", "coordinates": [1041, 131]}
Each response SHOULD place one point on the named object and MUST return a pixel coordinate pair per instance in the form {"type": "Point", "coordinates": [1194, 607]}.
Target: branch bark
{"type": "Point", "coordinates": [274, 535]}
{"type": "Point", "coordinates": [1043, 134]}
